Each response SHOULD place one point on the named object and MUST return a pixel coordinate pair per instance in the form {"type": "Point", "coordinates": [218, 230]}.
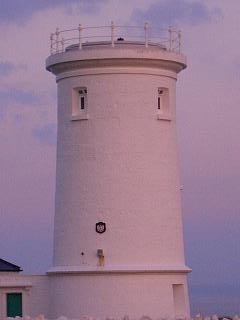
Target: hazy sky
{"type": "Point", "coordinates": [208, 106]}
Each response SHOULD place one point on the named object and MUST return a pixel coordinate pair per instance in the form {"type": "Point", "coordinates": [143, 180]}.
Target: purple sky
{"type": "Point", "coordinates": [208, 98]}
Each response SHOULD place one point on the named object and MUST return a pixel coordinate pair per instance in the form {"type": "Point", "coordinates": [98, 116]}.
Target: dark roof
{"type": "Point", "coordinates": [6, 266]}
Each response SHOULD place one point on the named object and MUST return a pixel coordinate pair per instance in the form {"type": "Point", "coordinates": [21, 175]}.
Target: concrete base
{"type": "Point", "coordinates": [101, 295]}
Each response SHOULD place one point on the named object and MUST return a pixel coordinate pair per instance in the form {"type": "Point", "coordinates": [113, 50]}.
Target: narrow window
{"type": "Point", "coordinates": [82, 99]}
{"type": "Point", "coordinates": [82, 103]}
{"type": "Point", "coordinates": [79, 104]}
{"type": "Point", "coordinates": [163, 108]}
{"type": "Point", "coordinates": [160, 98]}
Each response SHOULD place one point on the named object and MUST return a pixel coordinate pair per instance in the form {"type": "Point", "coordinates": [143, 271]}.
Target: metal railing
{"type": "Point", "coordinates": [169, 39]}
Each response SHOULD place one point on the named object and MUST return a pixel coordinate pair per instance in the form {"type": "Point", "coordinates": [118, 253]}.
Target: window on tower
{"type": "Point", "coordinates": [79, 104]}
{"type": "Point", "coordinates": [82, 99]}
{"type": "Point", "coordinates": [163, 104]}
{"type": "Point", "coordinates": [160, 98]}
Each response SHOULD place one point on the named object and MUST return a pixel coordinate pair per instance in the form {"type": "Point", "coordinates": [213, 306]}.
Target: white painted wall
{"type": "Point", "coordinates": [116, 295]}
{"type": "Point", "coordinates": [38, 300]}
{"type": "Point", "coordinates": [119, 165]}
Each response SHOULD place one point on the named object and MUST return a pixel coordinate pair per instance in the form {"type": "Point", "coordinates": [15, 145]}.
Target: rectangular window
{"type": "Point", "coordinates": [82, 98]}
{"type": "Point", "coordinates": [163, 109]}
{"type": "Point", "coordinates": [79, 104]}
{"type": "Point", "coordinates": [159, 103]}
{"type": "Point", "coordinates": [82, 103]}
{"type": "Point", "coordinates": [162, 98]}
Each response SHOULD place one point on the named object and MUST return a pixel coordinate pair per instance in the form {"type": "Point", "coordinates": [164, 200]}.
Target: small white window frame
{"type": "Point", "coordinates": [80, 104]}
{"type": "Point", "coordinates": [163, 105]}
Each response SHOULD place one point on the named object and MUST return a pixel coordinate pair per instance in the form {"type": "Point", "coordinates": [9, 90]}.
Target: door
{"type": "Point", "coordinates": [14, 304]}
{"type": "Point", "coordinates": [179, 301]}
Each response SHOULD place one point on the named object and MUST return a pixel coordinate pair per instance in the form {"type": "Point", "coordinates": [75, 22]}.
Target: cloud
{"type": "Point", "coordinates": [18, 96]}
{"type": "Point", "coordinates": [46, 134]}
{"type": "Point", "coordinates": [175, 12]}
{"type": "Point", "coordinates": [6, 68]}
{"type": "Point", "coordinates": [3, 110]}
{"type": "Point", "coordinates": [18, 11]}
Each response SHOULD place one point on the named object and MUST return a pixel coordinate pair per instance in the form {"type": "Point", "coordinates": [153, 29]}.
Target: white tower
{"type": "Point", "coordinates": [118, 238]}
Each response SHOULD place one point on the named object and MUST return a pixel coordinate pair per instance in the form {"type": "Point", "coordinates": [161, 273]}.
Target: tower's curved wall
{"type": "Point", "coordinates": [117, 164]}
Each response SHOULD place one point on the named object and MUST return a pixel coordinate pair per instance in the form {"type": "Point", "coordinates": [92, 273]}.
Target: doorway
{"type": "Point", "coordinates": [14, 304]}
{"type": "Point", "coordinates": [179, 300]}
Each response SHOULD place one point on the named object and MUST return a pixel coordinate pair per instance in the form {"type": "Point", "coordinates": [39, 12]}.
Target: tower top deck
{"type": "Point", "coordinates": [114, 35]}
{"type": "Point", "coordinates": [113, 43]}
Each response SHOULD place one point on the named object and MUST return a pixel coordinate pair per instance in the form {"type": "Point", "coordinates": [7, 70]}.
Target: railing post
{"type": "Point", "coordinates": [146, 29]}
{"type": "Point", "coordinates": [80, 28]}
{"type": "Point", "coordinates": [62, 43]}
{"type": "Point", "coordinates": [179, 41]}
{"type": "Point", "coordinates": [170, 31]}
{"type": "Point", "coordinates": [112, 34]}
{"type": "Point", "coordinates": [57, 40]}
{"type": "Point", "coordinates": [51, 43]}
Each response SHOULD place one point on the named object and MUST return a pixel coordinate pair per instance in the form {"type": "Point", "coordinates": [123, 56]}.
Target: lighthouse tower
{"type": "Point", "coordinates": [118, 238]}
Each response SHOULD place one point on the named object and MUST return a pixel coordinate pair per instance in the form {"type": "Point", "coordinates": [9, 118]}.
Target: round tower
{"type": "Point", "coordinates": [118, 238]}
